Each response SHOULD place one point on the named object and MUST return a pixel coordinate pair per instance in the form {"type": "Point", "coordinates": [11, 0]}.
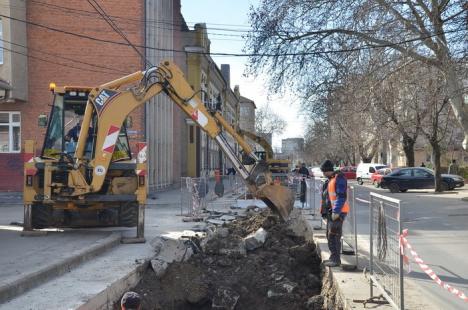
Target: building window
{"type": "Point", "coordinates": [10, 132]}
{"type": "Point", "coordinates": [1, 41]}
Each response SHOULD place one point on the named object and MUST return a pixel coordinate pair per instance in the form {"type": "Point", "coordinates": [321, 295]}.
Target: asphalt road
{"type": "Point", "coordinates": [438, 232]}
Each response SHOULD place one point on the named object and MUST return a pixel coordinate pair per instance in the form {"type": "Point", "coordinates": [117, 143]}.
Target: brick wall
{"type": "Point", "coordinates": [119, 59]}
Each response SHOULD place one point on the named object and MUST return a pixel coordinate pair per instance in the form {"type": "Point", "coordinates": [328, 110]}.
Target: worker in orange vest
{"type": "Point", "coordinates": [334, 208]}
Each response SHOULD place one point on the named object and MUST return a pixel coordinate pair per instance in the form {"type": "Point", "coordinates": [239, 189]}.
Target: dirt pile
{"type": "Point", "coordinates": [284, 273]}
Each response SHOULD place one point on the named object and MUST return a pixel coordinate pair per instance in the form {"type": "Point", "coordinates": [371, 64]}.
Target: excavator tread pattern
{"type": "Point", "coordinates": [41, 216]}
{"type": "Point", "coordinates": [128, 216]}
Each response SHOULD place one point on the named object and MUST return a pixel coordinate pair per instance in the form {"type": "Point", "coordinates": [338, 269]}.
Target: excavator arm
{"type": "Point", "coordinates": [112, 105]}
{"type": "Point", "coordinates": [259, 140]}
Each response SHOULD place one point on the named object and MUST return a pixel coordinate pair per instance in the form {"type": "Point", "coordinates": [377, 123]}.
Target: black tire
{"type": "Point", "coordinates": [403, 190]}
{"type": "Point", "coordinates": [41, 216]}
{"type": "Point", "coordinates": [444, 186]}
{"type": "Point", "coordinates": [360, 181]}
{"type": "Point", "coordinates": [128, 215]}
{"type": "Point", "coordinates": [394, 188]}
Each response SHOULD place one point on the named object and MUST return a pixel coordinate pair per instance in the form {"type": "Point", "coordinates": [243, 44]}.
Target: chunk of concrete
{"type": "Point", "coordinates": [170, 250]}
{"type": "Point", "coordinates": [227, 218]}
{"type": "Point", "coordinates": [225, 299]}
{"type": "Point", "coordinates": [215, 222]}
{"type": "Point", "coordinates": [159, 267]}
{"type": "Point", "coordinates": [256, 239]}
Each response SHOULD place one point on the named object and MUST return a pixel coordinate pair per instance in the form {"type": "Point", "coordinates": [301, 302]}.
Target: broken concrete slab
{"type": "Point", "coordinates": [225, 299]}
{"type": "Point", "coordinates": [170, 250]}
{"type": "Point", "coordinates": [215, 222]}
{"type": "Point", "coordinates": [159, 266]}
{"type": "Point", "coordinates": [256, 239]}
{"type": "Point", "coordinates": [227, 218]}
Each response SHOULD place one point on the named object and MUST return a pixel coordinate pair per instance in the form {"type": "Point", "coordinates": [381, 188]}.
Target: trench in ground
{"type": "Point", "coordinates": [285, 273]}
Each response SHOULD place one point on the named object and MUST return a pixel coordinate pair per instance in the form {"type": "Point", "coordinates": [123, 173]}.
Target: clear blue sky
{"type": "Point", "coordinates": [227, 21]}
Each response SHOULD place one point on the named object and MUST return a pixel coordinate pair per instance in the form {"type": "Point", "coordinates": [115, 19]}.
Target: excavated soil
{"type": "Point", "coordinates": [285, 273]}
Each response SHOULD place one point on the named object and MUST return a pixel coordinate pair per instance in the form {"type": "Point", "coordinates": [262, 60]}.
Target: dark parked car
{"type": "Point", "coordinates": [404, 179]}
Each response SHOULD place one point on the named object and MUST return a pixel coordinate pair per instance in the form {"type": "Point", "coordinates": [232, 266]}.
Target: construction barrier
{"type": "Point", "coordinates": [209, 193]}
{"type": "Point", "coordinates": [313, 196]}
{"type": "Point", "coordinates": [192, 196]}
{"type": "Point", "coordinates": [349, 240]}
{"type": "Point", "coordinates": [386, 261]}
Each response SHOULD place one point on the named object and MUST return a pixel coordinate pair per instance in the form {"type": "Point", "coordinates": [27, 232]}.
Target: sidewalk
{"type": "Point", "coordinates": [77, 265]}
{"type": "Point", "coordinates": [353, 285]}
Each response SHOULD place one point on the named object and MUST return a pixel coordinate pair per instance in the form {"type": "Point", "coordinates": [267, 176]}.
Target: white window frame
{"type": "Point", "coordinates": [11, 125]}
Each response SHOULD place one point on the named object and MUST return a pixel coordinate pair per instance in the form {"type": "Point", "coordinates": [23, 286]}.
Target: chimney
{"type": "Point", "coordinates": [226, 72]}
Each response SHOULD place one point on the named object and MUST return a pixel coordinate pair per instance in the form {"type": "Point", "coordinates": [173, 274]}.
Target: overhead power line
{"type": "Point", "coordinates": [176, 26]}
{"type": "Point", "coordinates": [55, 63]}
{"type": "Point", "coordinates": [63, 57]}
{"type": "Point", "coordinates": [366, 47]}
{"type": "Point", "coordinates": [116, 28]}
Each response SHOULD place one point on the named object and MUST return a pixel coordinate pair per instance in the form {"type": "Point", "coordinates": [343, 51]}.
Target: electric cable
{"type": "Point", "coordinates": [316, 53]}
{"type": "Point", "coordinates": [106, 17]}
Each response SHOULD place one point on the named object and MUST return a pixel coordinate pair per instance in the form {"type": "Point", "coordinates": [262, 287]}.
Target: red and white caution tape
{"type": "Point", "coordinates": [404, 244]}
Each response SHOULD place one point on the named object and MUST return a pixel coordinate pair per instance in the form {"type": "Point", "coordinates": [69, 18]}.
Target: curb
{"type": "Point", "coordinates": [29, 281]}
{"type": "Point", "coordinates": [113, 292]}
{"type": "Point", "coordinates": [329, 281]}
{"type": "Point", "coordinates": [105, 299]}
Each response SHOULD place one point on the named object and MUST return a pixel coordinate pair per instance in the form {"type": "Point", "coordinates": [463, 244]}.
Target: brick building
{"type": "Point", "coordinates": [54, 56]}
{"type": "Point", "coordinates": [63, 42]}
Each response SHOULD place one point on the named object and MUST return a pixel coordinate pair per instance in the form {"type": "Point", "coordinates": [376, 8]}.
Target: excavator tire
{"type": "Point", "coordinates": [41, 216]}
{"type": "Point", "coordinates": [128, 216]}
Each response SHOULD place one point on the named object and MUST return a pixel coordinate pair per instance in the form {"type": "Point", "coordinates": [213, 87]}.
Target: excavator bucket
{"type": "Point", "coordinates": [278, 198]}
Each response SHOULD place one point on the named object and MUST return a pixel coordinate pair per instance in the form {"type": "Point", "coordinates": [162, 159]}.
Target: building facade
{"type": "Point", "coordinates": [69, 52]}
{"type": "Point", "coordinates": [213, 85]}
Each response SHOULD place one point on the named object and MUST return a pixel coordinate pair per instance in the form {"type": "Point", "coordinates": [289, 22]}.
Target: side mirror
{"type": "Point", "coordinates": [42, 120]}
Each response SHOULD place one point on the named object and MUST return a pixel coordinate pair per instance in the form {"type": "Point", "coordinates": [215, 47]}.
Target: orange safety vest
{"type": "Point", "coordinates": [332, 195]}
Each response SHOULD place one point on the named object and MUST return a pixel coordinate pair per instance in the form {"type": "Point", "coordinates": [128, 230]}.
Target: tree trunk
{"type": "Point", "coordinates": [408, 148]}
{"type": "Point", "coordinates": [455, 92]}
{"type": "Point", "coordinates": [436, 155]}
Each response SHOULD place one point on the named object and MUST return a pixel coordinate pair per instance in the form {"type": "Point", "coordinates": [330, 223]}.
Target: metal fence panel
{"type": "Point", "coordinates": [349, 239]}
{"type": "Point", "coordinates": [386, 261]}
{"type": "Point", "coordinates": [207, 193]}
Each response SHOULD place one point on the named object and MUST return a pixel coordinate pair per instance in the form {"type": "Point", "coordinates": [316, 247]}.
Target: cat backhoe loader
{"type": "Point", "coordinates": [94, 181]}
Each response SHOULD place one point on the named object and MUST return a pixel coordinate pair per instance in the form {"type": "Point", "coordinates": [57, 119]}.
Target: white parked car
{"type": "Point", "coordinates": [365, 170]}
{"type": "Point", "coordinates": [316, 172]}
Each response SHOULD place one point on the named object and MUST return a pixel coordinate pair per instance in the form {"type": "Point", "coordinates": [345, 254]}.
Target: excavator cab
{"type": "Point", "coordinates": [65, 124]}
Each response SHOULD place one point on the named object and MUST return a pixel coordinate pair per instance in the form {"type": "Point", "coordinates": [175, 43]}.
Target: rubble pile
{"type": "Point", "coordinates": [252, 263]}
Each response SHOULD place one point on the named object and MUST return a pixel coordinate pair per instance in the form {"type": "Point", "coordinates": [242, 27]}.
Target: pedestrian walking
{"type": "Point", "coordinates": [423, 164]}
{"type": "Point", "coordinates": [334, 208]}
{"type": "Point", "coordinates": [130, 301]}
{"type": "Point", "coordinates": [453, 167]}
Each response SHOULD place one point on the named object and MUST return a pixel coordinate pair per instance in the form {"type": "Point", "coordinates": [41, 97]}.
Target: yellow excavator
{"type": "Point", "coordinates": [276, 166]}
{"type": "Point", "coordinates": [94, 182]}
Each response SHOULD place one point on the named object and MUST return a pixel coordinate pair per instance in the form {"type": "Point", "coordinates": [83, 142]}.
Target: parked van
{"type": "Point", "coordinates": [365, 170]}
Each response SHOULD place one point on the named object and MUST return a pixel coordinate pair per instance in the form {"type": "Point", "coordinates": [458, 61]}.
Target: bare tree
{"type": "Point", "coordinates": [299, 42]}
{"type": "Point", "coordinates": [438, 119]}
{"type": "Point", "coordinates": [268, 122]}
{"type": "Point", "coordinates": [397, 96]}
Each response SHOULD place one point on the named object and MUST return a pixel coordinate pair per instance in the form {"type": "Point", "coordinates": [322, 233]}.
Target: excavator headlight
{"type": "Point", "coordinates": [52, 86]}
